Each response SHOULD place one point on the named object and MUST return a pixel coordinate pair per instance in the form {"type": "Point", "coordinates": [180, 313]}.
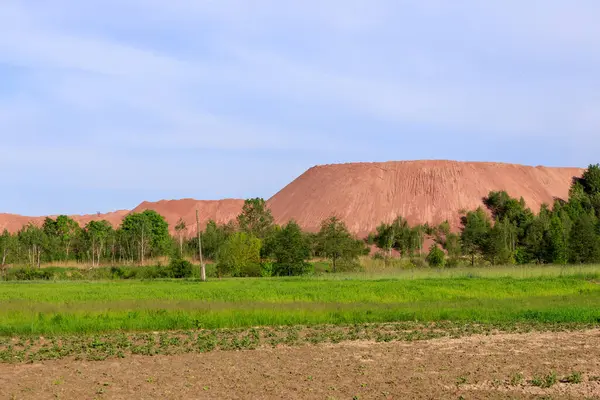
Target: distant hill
{"type": "Point", "coordinates": [366, 194]}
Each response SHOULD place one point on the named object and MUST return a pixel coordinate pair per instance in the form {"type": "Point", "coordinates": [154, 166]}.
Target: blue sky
{"type": "Point", "coordinates": [107, 103]}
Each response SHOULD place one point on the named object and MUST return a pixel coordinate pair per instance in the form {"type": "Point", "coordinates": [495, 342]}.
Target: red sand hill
{"type": "Point", "coordinates": [13, 222]}
{"type": "Point", "coordinates": [221, 211]}
{"type": "Point", "coordinates": [365, 194]}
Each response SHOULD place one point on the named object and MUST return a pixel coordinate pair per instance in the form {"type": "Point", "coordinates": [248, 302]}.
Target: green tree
{"type": "Point", "coordinates": [449, 240]}
{"type": "Point", "coordinates": [96, 234]}
{"type": "Point", "coordinates": [499, 245]}
{"type": "Point", "coordinates": [590, 180]}
{"type": "Point", "coordinates": [7, 247]}
{"type": "Point", "coordinates": [34, 240]}
{"type": "Point", "coordinates": [256, 218]}
{"type": "Point", "coordinates": [534, 241]}
{"type": "Point", "coordinates": [336, 243]}
{"type": "Point", "coordinates": [584, 246]}
{"type": "Point", "coordinates": [149, 232]}
{"type": "Point", "coordinates": [213, 237]}
{"type": "Point", "coordinates": [291, 250]}
{"type": "Point", "coordinates": [436, 256]}
{"type": "Point", "coordinates": [239, 255]}
{"type": "Point", "coordinates": [474, 234]}
{"type": "Point", "coordinates": [61, 234]}
{"type": "Point", "coordinates": [556, 242]}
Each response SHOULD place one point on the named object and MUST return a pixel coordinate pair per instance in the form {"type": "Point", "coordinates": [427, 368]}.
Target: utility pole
{"type": "Point", "coordinates": [202, 268]}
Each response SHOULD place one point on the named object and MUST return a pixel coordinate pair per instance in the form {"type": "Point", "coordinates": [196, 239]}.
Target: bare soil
{"type": "Point", "coordinates": [476, 367]}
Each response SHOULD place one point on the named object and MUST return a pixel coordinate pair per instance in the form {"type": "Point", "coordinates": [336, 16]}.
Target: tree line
{"type": "Point", "coordinates": [506, 231]}
{"type": "Point", "coordinates": [253, 245]}
{"type": "Point", "coordinates": [503, 231]}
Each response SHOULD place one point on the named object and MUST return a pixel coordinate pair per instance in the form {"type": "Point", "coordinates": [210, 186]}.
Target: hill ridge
{"type": "Point", "coordinates": [364, 194]}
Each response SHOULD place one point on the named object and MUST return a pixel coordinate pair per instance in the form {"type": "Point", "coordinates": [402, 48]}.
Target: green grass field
{"type": "Point", "coordinates": [488, 296]}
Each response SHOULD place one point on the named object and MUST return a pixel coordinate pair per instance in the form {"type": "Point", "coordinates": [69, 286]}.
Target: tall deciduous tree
{"type": "Point", "coordinates": [475, 231]}
{"type": "Point", "coordinates": [256, 218]}
{"type": "Point", "coordinates": [240, 255]}
{"type": "Point", "coordinates": [336, 243]}
{"type": "Point", "coordinates": [556, 242]}
{"type": "Point", "coordinates": [7, 246]}
{"type": "Point", "coordinates": [291, 250]}
{"type": "Point", "coordinates": [584, 245]}
{"type": "Point", "coordinates": [149, 231]}
{"type": "Point", "coordinates": [97, 233]}
{"type": "Point", "coordinates": [34, 239]}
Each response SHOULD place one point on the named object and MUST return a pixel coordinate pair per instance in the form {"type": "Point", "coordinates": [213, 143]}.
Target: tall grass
{"type": "Point", "coordinates": [491, 295]}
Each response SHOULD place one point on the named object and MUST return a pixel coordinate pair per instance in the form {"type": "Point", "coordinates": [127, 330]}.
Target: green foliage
{"type": "Point", "coordinates": [584, 244]}
{"type": "Point", "coordinates": [590, 180]}
{"type": "Point", "coordinates": [240, 256]}
{"type": "Point", "coordinates": [291, 251]}
{"type": "Point", "coordinates": [180, 268]}
{"type": "Point", "coordinates": [556, 242]}
{"type": "Point", "coordinates": [436, 256]}
{"type": "Point", "coordinates": [400, 236]}
{"type": "Point", "coordinates": [213, 237]}
{"type": "Point", "coordinates": [336, 243]}
{"type": "Point", "coordinates": [148, 233]}
{"type": "Point", "coordinates": [256, 218]}
{"type": "Point", "coordinates": [475, 231]}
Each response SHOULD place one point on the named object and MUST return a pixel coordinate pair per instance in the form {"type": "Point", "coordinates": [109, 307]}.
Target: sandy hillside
{"type": "Point", "coordinates": [365, 194]}
{"type": "Point", "coordinates": [14, 222]}
{"type": "Point", "coordinates": [222, 211]}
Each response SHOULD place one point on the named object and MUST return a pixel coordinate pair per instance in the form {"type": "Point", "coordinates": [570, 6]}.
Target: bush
{"type": "Point", "coordinates": [266, 269]}
{"type": "Point", "coordinates": [297, 269]}
{"type": "Point", "coordinates": [436, 256]}
{"type": "Point", "coordinates": [29, 274]}
{"type": "Point", "coordinates": [180, 268]}
{"type": "Point", "coordinates": [348, 265]}
{"type": "Point", "coordinates": [418, 262]}
{"type": "Point", "coordinates": [453, 262]}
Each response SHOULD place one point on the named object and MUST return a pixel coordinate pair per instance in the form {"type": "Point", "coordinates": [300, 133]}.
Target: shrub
{"type": "Point", "coordinates": [418, 262]}
{"type": "Point", "coordinates": [29, 274]}
{"type": "Point", "coordinates": [180, 268]}
{"type": "Point", "coordinates": [436, 256]}
{"type": "Point", "coordinates": [240, 256]}
{"type": "Point", "coordinates": [453, 262]}
{"type": "Point", "coordinates": [266, 269]}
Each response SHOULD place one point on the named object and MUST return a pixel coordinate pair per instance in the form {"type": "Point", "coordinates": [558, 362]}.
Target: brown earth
{"type": "Point", "coordinates": [365, 194]}
{"type": "Point", "coordinates": [499, 366]}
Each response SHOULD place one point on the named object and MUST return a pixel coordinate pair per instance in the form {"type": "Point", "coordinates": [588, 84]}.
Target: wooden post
{"type": "Point", "coordinates": [202, 268]}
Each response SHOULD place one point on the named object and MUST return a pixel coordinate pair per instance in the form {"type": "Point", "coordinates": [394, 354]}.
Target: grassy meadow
{"type": "Point", "coordinates": [507, 295]}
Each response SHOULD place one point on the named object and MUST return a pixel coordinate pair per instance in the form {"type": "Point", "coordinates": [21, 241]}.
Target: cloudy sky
{"type": "Point", "coordinates": [105, 103]}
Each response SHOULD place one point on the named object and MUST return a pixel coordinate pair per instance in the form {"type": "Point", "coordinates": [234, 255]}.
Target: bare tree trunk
{"type": "Point", "coordinates": [142, 247]}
